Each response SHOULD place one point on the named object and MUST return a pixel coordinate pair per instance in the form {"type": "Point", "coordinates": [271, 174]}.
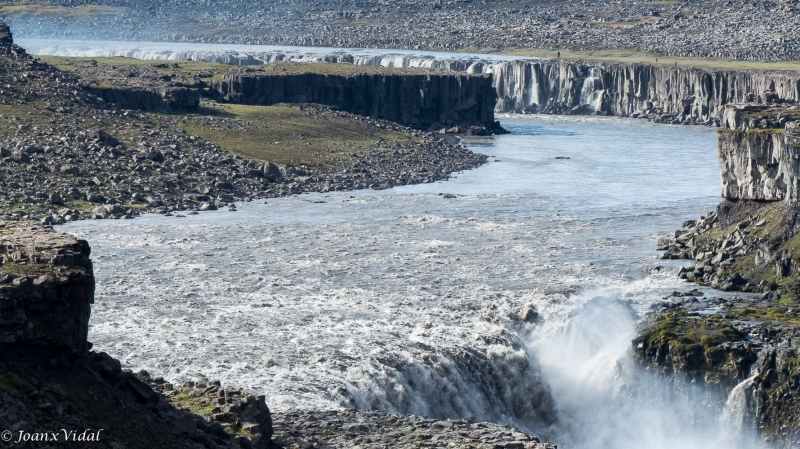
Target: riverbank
{"type": "Point", "coordinates": [741, 345]}
{"type": "Point", "coordinates": [73, 148]}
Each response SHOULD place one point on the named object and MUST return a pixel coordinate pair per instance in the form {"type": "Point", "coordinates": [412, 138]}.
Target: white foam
{"type": "Point", "coordinates": [406, 301]}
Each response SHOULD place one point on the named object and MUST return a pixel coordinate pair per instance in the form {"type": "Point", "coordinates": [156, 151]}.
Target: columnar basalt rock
{"type": "Point", "coordinates": [751, 243]}
{"type": "Point", "coordinates": [46, 286]}
{"type": "Point", "coordinates": [660, 93]}
{"type": "Point", "coordinates": [758, 152]}
{"type": "Point", "coordinates": [424, 101]}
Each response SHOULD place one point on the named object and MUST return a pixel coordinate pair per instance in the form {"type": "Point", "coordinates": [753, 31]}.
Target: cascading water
{"type": "Point", "coordinates": [527, 85]}
{"type": "Point", "coordinates": [514, 302]}
{"type": "Point", "coordinates": [605, 400]}
{"type": "Point", "coordinates": [592, 91]}
{"type": "Point", "coordinates": [738, 414]}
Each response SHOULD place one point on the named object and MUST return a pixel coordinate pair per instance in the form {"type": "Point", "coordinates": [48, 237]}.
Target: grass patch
{"type": "Point", "coordinates": [11, 382]}
{"type": "Point", "coordinates": [209, 71]}
{"type": "Point", "coordinates": [286, 134]}
{"type": "Point", "coordinates": [237, 430]}
{"type": "Point", "coordinates": [196, 405]}
{"type": "Point", "coordinates": [771, 131]}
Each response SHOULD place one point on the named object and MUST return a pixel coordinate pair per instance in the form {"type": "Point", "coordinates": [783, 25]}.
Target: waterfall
{"type": "Point", "coordinates": [592, 91]}
{"type": "Point", "coordinates": [523, 85]}
{"type": "Point", "coordinates": [736, 420]}
{"type": "Point", "coordinates": [605, 400]}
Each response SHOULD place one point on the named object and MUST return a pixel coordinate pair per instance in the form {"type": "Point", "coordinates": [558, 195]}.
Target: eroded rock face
{"type": "Point", "coordinates": [759, 154]}
{"type": "Point", "coordinates": [662, 93]}
{"type": "Point", "coordinates": [46, 286]}
{"type": "Point", "coordinates": [423, 101]}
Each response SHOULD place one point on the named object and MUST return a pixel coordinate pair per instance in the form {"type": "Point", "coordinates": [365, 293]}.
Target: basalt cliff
{"type": "Point", "coordinates": [659, 92]}
{"type": "Point", "coordinates": [424, 101]}
{"type": "Point", "coordinates": [742, 346]}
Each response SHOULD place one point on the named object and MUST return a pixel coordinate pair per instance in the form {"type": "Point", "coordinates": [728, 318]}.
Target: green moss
{"type": "Point", "coordinates": [12, 382]}
{"type": "Point", "coordinates": [196, 405]}
{"type": "Point", "coordinates": [693, 341]}
{"type": "Point", "coordinates": [775, 131]}
{"type": "Point", "coordinates": [285, 134]}
{"type": "Point", "coordinates": [237, 430]}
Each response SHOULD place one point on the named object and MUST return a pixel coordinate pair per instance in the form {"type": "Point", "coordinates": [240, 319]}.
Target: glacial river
{"type": "Point", "coordinates": [514, 302]}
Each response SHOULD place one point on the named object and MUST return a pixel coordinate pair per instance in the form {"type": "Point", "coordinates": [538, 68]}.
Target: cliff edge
{"type": "Point", "coordinates": [742, 345]}
{"type": "Point", "coordinates": [54, 392]}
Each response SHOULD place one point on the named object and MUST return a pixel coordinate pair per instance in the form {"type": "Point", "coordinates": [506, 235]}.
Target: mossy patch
{"type": "Point", "coordinates": [197, 405]}
{"type": "Point", "coordinates": [286, 134]}
{"type": "Point", "coordinates": [12, 382]}
{"type": "Point", "coordinates": [769, 131]}
{"type": "Point", "coordinates": [693, 341]}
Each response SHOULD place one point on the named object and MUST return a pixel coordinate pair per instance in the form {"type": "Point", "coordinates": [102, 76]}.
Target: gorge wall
{"type": "Point", "coordinates": [759, 151]}
{"type": "Point", "coordinates": [742, 346]}
{"type": "Point", "coordinates": [424, 101]}
{"type": "Point", "coordinates": [661, 93]}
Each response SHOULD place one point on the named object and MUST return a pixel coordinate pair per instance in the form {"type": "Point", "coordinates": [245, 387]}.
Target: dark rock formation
{"type": "Point", "coordinates": [424, 101]}
{"type": "Point", "coordinates": [740, 349]}
{"type": "Point", "coordinates": [46, 287]}
{"type": "Point", "coordinates": [379, 430]}
{"type": "Point", "coordinates": [751, 243]}
{"type": "Point", "coordinates": [48, 379]}
{"type": "Point", "coordinates": [178, 99]}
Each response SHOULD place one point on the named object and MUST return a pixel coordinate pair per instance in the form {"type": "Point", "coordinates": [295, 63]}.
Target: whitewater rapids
{"type": "Point", "coordinates": [514, 302]}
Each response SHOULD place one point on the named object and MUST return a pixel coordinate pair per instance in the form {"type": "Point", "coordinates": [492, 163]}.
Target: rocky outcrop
{"type": "Point", "coordinates": [661, 93]}
{"type": "Point", "coordinates": [751, 241]}
{"type": "Point", "coordinates": [742, 347]}
{"type": "Point", "coordinates": [177, 99]}
{"type": "Point", "coordinates": [50, 381]}
{"type": "Point", "coordinates": [423, 101]}
{"type": "Point", "coordinates": [743, 352]}
{"type": "Point", "coordinates": [46, 287]}
{"type": "Point", "coordinates": [758, 151]}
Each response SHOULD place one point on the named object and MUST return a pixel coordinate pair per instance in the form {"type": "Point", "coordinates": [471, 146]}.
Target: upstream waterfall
{"type": "Point", "coordinates": [661, 93]}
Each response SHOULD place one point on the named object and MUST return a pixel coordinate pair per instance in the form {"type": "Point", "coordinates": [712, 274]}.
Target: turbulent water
{"type": "Point", "coordinates": [241, 54]}
{"type": "Point", "coordinates": [514, 302]}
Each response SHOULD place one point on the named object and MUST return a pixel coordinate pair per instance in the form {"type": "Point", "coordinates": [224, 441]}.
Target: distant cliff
{"type": "Point", "coordinates": [758, 152]}
{"type": "Point", "coordinates": [423, 101]}
{"type": "Point", "coordinates": [661, 93]}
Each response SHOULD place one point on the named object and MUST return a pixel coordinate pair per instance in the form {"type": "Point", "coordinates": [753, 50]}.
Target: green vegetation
{"type": "Point", "coordinates": [286, 134]}
{"type": "Point", "coordinates": [770, 131]}
{"type": "Point", "coordinates": [197, 405]}
{"type": "Point", "coordinates": [11, 382]}
{"type": "Point", "coordinates": [210, 71]}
